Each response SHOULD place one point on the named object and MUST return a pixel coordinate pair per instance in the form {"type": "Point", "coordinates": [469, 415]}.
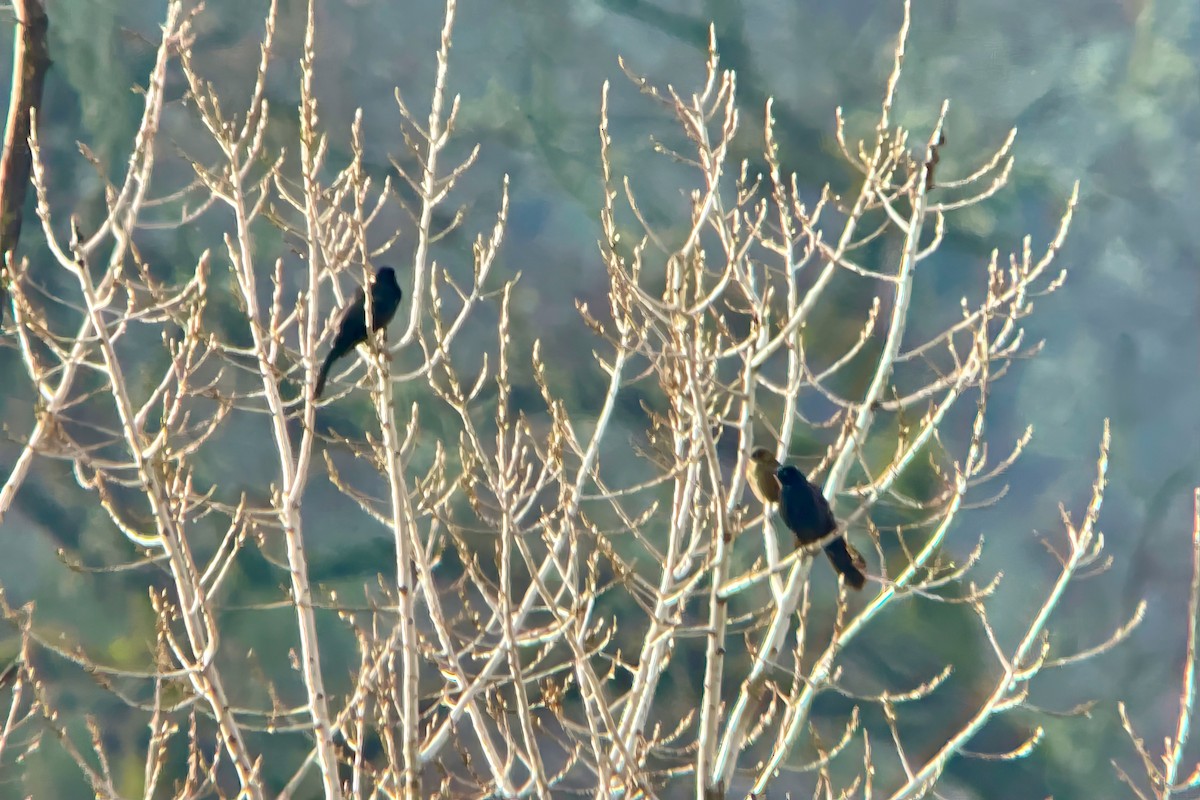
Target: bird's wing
{"type": "Point", "coordinates": [824, 512]}
{"type": "Point", "coordinates": [357, 300]}
{"type": "Point", "coordinates": [790, 509]}
{"type": "Point", "coordinates": [351, 325]}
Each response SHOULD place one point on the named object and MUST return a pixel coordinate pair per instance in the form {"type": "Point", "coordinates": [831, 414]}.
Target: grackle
{"type": "Point", "coordinates": [352, 322]}
{"type": "Point", "coordinates": [807, 513]}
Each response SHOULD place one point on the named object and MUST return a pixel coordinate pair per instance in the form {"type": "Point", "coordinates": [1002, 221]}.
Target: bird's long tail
{"type": "Point", "coordinates": [323, 375]}
{"type": "Point", "coordinates": [843, 561]}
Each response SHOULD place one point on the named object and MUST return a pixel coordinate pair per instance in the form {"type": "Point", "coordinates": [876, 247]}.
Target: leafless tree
{"type": "Point", "coordinates": [546, 599]}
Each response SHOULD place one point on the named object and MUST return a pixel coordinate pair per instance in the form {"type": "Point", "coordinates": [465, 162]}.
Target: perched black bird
{"type": "Point", "coordinates": [806, 512]}
{"type": "Point", "coordinates": [352, 322]}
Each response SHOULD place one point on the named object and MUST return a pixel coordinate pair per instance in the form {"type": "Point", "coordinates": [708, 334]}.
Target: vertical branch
{"type": "Point", "coordinates": [508, 475]}
{"type": "Point", "coordinates": [294, 465]}
{"type": "Point", "coordinates": [406, 542]}
{"type": "Point", "coordinates": [431, 190]}
{"type": "Point", "coordinates": [1173, 757]}
{"type": "Point", "coordinates": [31, 58]}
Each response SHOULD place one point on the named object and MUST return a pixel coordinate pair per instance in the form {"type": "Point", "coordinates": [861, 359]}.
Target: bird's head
{"type": "Point", "coordinates": [762, 455]}
{"type": "Point", "coordinates": [789, 475]}
{"type": "Point", "coordinates": [386, 275]}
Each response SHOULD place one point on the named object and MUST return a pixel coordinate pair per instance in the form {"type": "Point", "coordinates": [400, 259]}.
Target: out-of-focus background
{"type": "Point", "coordinates": [1106, 92]}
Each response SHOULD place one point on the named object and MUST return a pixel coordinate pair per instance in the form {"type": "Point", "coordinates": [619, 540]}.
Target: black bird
{"type": "Point", "coordinates": [807, 513]}
{"type": "Point", "coordinates": [352, 322]}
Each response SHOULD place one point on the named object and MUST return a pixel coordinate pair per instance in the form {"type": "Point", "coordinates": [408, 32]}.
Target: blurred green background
{"type": "Point", "coordinates": [1103, 91]}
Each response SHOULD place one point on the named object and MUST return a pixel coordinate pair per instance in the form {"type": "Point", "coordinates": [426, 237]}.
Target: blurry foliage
{"type": "Point", "coordinates": [85, 43]}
